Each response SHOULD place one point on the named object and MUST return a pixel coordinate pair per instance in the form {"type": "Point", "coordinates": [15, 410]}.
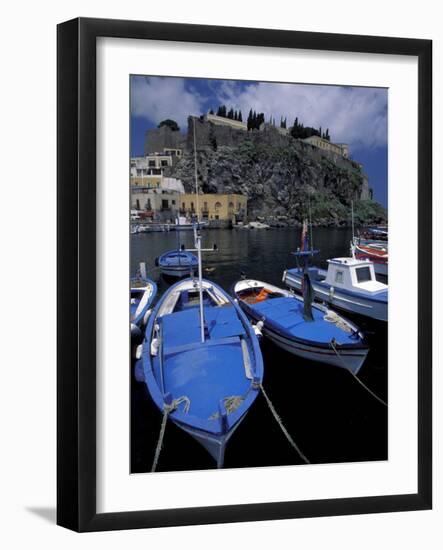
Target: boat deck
{"type": "Point", "coordinates": [206, 373]}
{"type": "Point", "coordinates": [286, 315]}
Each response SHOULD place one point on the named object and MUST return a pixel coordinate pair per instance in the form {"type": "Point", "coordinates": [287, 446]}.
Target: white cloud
{"type": "Point", "coordinates": [353, 115]}
{"type": "Point", "coordinates": [158, 98]}
{"type": "Point", "coordinates": [357, 116]}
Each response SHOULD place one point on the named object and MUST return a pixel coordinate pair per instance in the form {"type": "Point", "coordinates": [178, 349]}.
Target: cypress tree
{"type": "Point", "coordinates": [240, 118]}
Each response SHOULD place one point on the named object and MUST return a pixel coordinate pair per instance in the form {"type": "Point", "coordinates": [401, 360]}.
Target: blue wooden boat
{"type": "Point", "coordinates": [310, 331]}
{"type": "Point", "coordinates": [207, 375]}
{"type": "Point", "coordinates": [177, 263]}
{"type": "Point", "coordinates": [143, 292]}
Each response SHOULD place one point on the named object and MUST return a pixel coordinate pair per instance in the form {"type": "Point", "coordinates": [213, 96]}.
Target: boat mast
{"type": "Point", "coordinates": [195, 172]}
{"type": "Point", "coordinates": [198, 238]}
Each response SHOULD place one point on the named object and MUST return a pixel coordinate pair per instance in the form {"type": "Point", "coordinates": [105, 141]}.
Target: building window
{"type": "Point", "coordinates": [216, 216]}
{"type": "Point", "coordinates": [339, 277]}
{"type": "Point", "coordinates": [151, 163]}
{"type": "Point", "coordinates": [137, 204]}
{"type": "Point", "coordinates": [183, 206]}
{"type": "Point", "coordinates": [218, 205]}
{"type": "Point", "coordinates": [164, 163]}
{"type": "Point", "coordinates": [192, 206]}
{"type": "Point", "coordinates": [165, 204]}
{"type": "Point", "coordinates": [173, 202]}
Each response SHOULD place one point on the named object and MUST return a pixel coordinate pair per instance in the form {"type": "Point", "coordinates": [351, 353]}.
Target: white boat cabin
{"type": "Point", "coordinates": [352, 274]}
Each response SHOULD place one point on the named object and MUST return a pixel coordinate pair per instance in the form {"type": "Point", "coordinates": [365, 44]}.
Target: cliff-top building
{"type": "Point", "coordinates": [224, 121]}
{"type": "Point", "coordinates": [337, 148]}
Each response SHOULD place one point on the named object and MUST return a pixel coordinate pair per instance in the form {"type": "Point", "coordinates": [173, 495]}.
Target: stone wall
{"type": "Point", "coordinates": [156, 139]}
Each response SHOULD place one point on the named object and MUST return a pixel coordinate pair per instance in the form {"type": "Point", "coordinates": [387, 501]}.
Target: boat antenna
{"type": "Point", "coordinates": [197, 239]}
{"type": "Point", "coordinates": [352, 219]}
{"type": "Point", "coordinates": [195, 172]}
{"type": "Point", "coordinates": [352, 224]}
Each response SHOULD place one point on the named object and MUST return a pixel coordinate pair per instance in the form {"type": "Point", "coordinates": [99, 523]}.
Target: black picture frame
{"type": "Point", "coordinates": [76, 281]}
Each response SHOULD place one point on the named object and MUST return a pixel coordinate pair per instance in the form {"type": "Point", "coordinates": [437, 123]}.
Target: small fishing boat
{"type": "Point", "coordinates": [202, 361]}
{"type": "Point", "coordinates": [209, 383]}
{"type": "Point", "coordinates": [376, 253]}
{"type": "Point", "coordinates": [143, 292]}
{"type": "Point", "coordinates": [311, 331]}
{"type": "Point", "coordinates": [348, 284]}
{"type": "Point", "coordinates": [177, 263]}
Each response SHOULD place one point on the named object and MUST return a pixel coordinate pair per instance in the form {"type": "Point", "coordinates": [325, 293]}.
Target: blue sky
{"type": "Point", "coordinates": [354, 115]}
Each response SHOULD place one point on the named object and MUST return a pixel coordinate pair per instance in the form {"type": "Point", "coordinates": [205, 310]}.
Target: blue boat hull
{"type": "Point", "coordinates": [177, 264]}
{"type": "Point", "coordinates": [346, 301]}
{"type": "Point", "coordinates": [211, 384]}
{"type": "Point", "coordinates": [282, 323]}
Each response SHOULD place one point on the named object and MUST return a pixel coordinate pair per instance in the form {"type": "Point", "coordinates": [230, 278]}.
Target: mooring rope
{"type": "Point", "coordinates": [280, 423]}
{"type": "Point", "coordinates": [167, 409]}
{"type": "Point", "coordinates": [379, 399]}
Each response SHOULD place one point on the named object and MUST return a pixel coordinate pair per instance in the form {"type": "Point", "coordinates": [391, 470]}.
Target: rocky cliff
{"type": "Point", "coordinates": [281, 176]}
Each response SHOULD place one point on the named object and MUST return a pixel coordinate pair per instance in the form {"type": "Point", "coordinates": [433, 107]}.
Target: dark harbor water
{"type": "Point", "coordinates": [329, 415]}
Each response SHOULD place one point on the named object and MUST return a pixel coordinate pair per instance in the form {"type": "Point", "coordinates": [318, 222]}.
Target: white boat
{"type": "Point", "coordinates": [349, 284]}
{"type": "Point", "coordinates": [257, 225]}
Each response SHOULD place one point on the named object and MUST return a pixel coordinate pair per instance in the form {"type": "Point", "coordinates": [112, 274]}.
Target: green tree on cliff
{"type": "Point", "coordinates": [171, 124]}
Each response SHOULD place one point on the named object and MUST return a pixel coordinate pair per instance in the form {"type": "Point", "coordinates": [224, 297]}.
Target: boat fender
{"type": "Point", "coordinates": [154, 346]}
{"type": "Point", "coordinates": [258, 328]}
{"type": "Point", "coordinates": [146, 317]}
{"type": "Point", "coordinates": [331, 293]}
{"type": "Point", "coordinates": [138, 351]}
{"type": "Point", "coordinates": [284, 275]}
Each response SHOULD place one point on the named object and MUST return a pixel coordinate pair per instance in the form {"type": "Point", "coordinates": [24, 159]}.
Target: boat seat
{"type": "Point", "coordinates": [183, 327]}
{"type": "Point", "coordinates": [172, 350]}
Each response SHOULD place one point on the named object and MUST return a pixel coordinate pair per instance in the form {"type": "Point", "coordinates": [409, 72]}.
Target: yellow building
{"type": "Point", "coordinates": [214, 207]}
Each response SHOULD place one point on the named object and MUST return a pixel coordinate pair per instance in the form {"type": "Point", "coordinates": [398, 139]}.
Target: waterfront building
{"type": "Point", "coordinates": [337, 148]}
{"type": "Point", "coordinates": [148, 171]}
{"type": "Point", "coordinates": [213, 207]}
{"type": "Point", "coordinates": [159, 205]}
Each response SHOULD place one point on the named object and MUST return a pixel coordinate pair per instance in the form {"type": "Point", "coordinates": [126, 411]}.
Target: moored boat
{"type": "Point", "coordinates": [348, 284]}
{"type": "Point", "coordinates": [177, 263]}
{"type": "Point", "coordinates": [143, 292]}
{"type": "Point", "coordinates": [310, 331]}
{"type": "Point", "coordinates": [376, 253]}
{"type": "Point", "coordinates": [207, 375]}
